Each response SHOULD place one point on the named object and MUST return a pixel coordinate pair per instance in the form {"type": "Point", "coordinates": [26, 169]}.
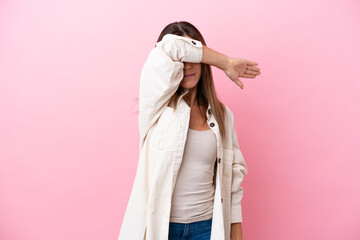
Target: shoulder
{"type": "Point", "coordinates": [229, 116]}
{"type": "Point", "coordinates": [229, 112]}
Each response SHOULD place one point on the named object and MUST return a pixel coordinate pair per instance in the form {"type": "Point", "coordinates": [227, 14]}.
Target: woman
{"type": "Point", "coordinates": [187, 184]}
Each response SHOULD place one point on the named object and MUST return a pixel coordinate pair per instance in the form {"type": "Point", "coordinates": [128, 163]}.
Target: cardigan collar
{"type": "Point", "coordinates": [208, 110]}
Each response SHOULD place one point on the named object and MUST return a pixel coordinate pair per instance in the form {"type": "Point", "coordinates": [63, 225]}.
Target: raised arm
{"type": "Point", "coordinates": [234, 68]}
{"type": "Point", "coordinates": [215, 58]}
{"type": "Point", "coordinates": [163, 71]}
{"type": "Point", "coordinates": [161, 76]}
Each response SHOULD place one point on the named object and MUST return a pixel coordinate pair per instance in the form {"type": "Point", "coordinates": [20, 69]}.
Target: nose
{"type": "Point", "coordinates": [187, 65]}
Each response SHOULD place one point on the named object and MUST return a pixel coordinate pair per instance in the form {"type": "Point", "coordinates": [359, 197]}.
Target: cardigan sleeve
{"type": "Point", "coordinates": [239, 170]}
{"type": "Point", "coordinates": [161, 76]}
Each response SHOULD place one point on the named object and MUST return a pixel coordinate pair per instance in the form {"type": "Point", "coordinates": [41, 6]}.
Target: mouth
{"type": "Point", "coordinates": [189, 75]}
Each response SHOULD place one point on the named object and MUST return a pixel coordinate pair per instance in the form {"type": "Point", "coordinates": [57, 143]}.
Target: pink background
{"type": "Point", "coordinates": [69, 79]}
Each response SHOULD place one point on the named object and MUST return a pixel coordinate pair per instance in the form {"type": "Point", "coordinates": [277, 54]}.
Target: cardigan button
{"type": "Point", "coordinates": [209, 111]}
{"type": "Point", "coordinates": [219, 160]}
{"type": "Point", "coordinates": [212, 124]}
{"type": "Point", "coordinates": [193, 42]}
{"type": "Point", "coordinates": [221, 200]}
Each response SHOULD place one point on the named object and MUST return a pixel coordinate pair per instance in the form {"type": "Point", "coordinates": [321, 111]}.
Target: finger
{"type": "Point", "coordinates": [252, 72]}
{"type": "Point", "coordinates": [248, 76]}
{"type": "Point", "coordinates": [239, 83]}
{"type": "Point", "coordinates": [252, 63]}
{"type": "Point", "coordinates": [253, 68]}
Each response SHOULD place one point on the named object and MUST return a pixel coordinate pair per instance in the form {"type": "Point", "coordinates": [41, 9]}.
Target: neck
{"type": "Point", "coordinates": [190, 97]}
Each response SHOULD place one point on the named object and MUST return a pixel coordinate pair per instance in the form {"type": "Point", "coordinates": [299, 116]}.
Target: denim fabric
{"type": "Point", "coordinates": [200, 230]}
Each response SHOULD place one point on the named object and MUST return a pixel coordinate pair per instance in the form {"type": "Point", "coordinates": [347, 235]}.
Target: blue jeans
{"type": "Point", "coordinates": [200, 230]}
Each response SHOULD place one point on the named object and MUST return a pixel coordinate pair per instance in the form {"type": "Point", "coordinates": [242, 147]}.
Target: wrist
{"type": "Point", "coordinates": [226, 62]}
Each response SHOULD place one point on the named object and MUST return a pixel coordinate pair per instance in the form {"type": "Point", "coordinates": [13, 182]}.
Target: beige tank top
{"type": "Point", "coordinates": [193, 195]}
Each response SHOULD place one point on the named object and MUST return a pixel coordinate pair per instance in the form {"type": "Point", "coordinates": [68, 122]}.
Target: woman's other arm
{"type": "Point", "coordinates": [236, 231]}
{"type": "Point", "coordinates": [239, 170]}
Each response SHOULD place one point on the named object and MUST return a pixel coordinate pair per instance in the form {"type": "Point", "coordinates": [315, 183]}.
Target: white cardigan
{"type": "Point", "coordinates": [163, 132]}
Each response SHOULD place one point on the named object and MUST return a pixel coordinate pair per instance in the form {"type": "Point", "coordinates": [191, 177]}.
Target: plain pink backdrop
{"type": "Point", "coordinates": [69, 79]}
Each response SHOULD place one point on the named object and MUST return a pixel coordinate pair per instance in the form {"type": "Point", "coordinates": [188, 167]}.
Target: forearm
{"type": "Point", "coordinates": [214, 58]}
{"type": "Point", "coordinates": [236, 231]}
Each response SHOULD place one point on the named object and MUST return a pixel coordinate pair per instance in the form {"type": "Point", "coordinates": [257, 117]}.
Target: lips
{"type": "Point", "coordinates": [189, 75]}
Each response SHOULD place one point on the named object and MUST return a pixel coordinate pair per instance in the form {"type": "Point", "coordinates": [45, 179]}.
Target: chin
{"type": "Point", "coordinates": [188, 84]}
